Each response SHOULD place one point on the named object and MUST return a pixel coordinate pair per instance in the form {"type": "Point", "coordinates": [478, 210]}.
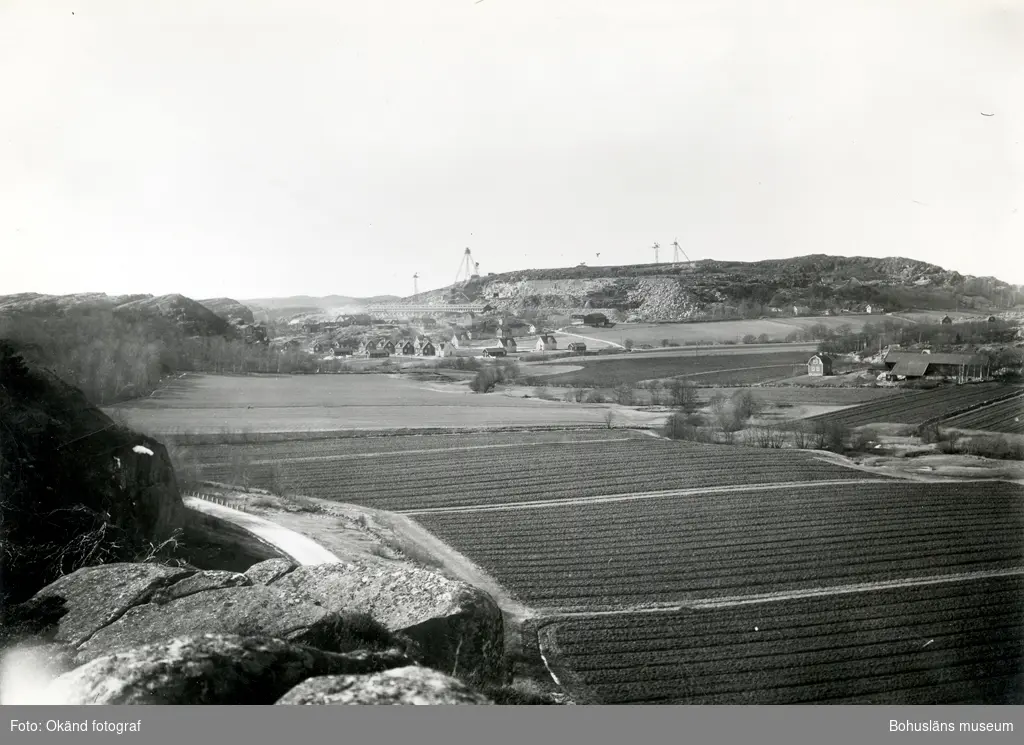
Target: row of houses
{"type": "Point", "coordinates": [424, 347]}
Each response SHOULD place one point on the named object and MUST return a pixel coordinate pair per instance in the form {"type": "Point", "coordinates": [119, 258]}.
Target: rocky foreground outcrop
{"type": "Point", "coordinates": [210, 669]}
{"type": "Point", "coordinates": [405, 685]}
{"type": "Point", "coordinates": [76, 488]}
{"type": "Point", "coordinates": [147, 633]}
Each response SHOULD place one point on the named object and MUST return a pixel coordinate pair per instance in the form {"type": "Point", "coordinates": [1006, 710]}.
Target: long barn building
{"type": "Point", "coordinates": [920, 365]}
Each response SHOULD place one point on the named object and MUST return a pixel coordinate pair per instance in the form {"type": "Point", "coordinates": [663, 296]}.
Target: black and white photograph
{"type": "Point", "coordinates": [512, 353]}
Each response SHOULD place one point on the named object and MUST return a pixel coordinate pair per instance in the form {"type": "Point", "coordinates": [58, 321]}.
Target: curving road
{"type": "Point", "coordinates": [298, 547]}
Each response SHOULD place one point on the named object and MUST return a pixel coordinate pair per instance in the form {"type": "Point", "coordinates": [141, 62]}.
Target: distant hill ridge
{"type": "Point", "coordinates": [709, 289]}
{"type": "Point", "coordinates": [194, 318]}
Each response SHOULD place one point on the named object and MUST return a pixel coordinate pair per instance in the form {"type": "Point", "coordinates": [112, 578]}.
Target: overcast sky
{"type": "Point", "coordinates": [252, 148]}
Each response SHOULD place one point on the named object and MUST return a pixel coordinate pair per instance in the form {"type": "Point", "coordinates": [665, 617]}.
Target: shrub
{"type": "Point", "coordinates": [485, 380]}
{"type": "Point", "coordinates": [749, 339]}
{"type": "Point", "coordinates": [801, 436]}
{"type": "Point", "coordinates": [683, 394]}
{"type": "Point", "coordinates": [595, 397]}
{"type": "Point", "coordinates": [745, 404]}
{"type": "Point", "coordinates": [681, 426]}
{"type": "Point", "coordinates": [623, 394]}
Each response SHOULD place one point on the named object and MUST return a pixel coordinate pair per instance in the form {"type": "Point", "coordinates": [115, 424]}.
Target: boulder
{"type": "Point", "coordinates": [399, 686]}
{"type": "Point", "coordinates": [95, 597]}
{"type": "Point", "coordinates": [209, 669]}
{"type": "Point", "coordinates": [270, 570]}
{"type": "Point", "coordinates": [457, 628]}
{"type": "Point", "coordinates": [256, 610]}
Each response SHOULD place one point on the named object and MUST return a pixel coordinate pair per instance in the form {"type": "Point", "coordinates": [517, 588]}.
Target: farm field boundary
{"type": "Point", "coordinates": [1003, 416]}
{"type": "Point", "coordinates": [709, 490]}
{"type": "Point", "coordinates": [956, 642]}
{"type": "Point", "coordinates": [554, 613]}
{"type": "Point", "coordinates": [919, 407]}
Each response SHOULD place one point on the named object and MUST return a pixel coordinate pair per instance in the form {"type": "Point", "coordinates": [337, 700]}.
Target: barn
{"type": "Point", "coordinates": [578, 347]}
{"type": "Point", "coordinates": [494, 352]}
{"type": "Point", "coordinates": [819, 365]}
{"type": "Point", "coordinates": [918, 365]}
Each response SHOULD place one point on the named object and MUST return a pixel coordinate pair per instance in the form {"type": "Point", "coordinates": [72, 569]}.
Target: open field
{"type": "Point", "coordinates": [443, 472]}
{"type": "Point", "coordinates": [952, 643]}
{"type": "Point", "coordinates": [723, 331]}
{"type": "Point", "coordinates": [305, 403]}
{"type": "Point", "coordinates": [733, 369]}
{"type": "Point", "coordinates": [1005, 416]}
{"type": "Point", "coordinates": [706, 544]}
{"type": "Point", "coordinates": [916, 407]}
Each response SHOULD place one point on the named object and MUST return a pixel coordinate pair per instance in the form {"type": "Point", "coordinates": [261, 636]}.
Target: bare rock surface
{"type": "Point", "coordinates": [201, 582]}
{"type": "Point", "coordinates": [457, 627]}
{"type": "Point", "coordinates": [270, 570]}
{"type": "Point", "coordinates": [97, 596]}
{"type": "Point", "coordinates": [257, 610]}
{"type": "Point", "coordinates": [209, 669]}
{"type": "Point", "coordinates": [399, 686]}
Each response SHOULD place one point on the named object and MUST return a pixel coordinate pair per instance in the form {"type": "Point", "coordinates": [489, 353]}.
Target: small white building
{"type": "Point", "coordinates": [545, 343]}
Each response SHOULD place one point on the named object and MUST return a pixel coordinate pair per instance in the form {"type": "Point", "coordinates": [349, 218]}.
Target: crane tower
{"type": "Point", "coordinates": [676, 250]}
{"type": "Point", "coordinates": [468, 269]}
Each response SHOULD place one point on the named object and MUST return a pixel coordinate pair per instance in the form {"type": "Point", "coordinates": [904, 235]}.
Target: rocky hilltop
{"type": "Point", "coordinates": [709, 290]}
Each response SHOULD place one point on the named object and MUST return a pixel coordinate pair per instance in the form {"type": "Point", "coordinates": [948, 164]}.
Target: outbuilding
{"type": "Point", "coordinates": [578, 347]}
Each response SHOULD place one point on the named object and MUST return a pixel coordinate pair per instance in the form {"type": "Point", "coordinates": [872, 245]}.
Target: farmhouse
{"type": "Point", "coordinates": [577, 346]}
{"type": "Point", "coordinates": [546, 342]}
{"type": "Point", "coordinates": [819, 365]}
{"type": "Point", "coordinates": [407, 347]}
{"type": "Point", "coordinates": [946, 320]}
{"type": "Point", "coordinates": [461, 340]}
{"type": "Point", "coordinates": [447, 349]}
{"type": "Point", "coordinates": [343, 351]}
{"type": "Point", "coordinates": [386, 345]}
{"type": "Point", "coordinates": [916, 365]}
{"type": "Point", "coordinates": [426, 349]}
{"type": "Point", "coordinates": [509, 344]}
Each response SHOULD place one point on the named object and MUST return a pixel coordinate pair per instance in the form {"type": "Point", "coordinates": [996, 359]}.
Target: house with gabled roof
{"type": "Point", "coordinates": [545, 343]}
{"type": "Point", "coordinates": [819, 365]}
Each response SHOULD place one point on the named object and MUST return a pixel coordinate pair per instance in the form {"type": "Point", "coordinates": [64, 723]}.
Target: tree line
{"type": "Point", "coordinates": [114, 355]}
